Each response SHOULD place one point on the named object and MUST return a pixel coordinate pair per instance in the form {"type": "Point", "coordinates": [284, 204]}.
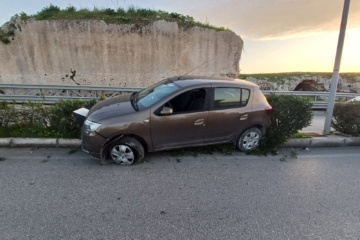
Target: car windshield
{"type": "Point", "coordinates": [156, 92]}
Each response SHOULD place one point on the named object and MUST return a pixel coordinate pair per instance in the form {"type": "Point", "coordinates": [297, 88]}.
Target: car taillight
{"type": "Point", "coordinates": [268, 110]}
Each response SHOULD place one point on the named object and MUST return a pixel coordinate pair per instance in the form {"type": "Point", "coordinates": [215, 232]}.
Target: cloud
{"type": "Point", "coordinates": [264, 19]}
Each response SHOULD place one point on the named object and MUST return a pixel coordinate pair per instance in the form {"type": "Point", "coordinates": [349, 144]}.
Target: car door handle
{"type": "Point", "coordinates": [244, 117]}
{"type": "Point", "coordinates": [199, 122]}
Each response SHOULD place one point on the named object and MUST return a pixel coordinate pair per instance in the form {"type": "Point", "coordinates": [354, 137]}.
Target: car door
{"type": "Point", "coordinates": [186, 125]}
{"type": "Point", "coordinates": [229, 114]}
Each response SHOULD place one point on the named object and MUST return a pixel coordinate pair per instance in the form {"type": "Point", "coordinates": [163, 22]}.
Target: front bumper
{"type": "Point", "coordinates": [92, 143]}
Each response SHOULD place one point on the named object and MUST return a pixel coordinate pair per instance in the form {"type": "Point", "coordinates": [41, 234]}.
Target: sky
{"type": "Point", "coordinates": [278, 35]}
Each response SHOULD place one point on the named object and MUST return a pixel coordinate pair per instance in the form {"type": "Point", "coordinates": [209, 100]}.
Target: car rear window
{"type": "Point", "coordinates": [230, 97]}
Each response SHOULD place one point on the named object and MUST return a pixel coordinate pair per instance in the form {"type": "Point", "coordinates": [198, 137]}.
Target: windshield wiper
{"type": "Point", "coordinates": [133, 101]}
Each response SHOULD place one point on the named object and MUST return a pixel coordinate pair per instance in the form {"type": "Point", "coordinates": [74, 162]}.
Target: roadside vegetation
{"type": "Point", "coordinates": [37, 120]}
{"type": "Point", "coordinates": [346, 118]}
{"type": "Point", "coordinates": [7, 33]}
{"type": "Point", "coordinates": [301, 135]}
{"type": "Point", "coordinates": [290, 114]}
{"type": "Point", "coordinates": [138, 17]}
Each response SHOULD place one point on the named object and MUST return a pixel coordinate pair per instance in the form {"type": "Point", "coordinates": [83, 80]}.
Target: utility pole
{"type": "Point", "coordinates": [335, 75]}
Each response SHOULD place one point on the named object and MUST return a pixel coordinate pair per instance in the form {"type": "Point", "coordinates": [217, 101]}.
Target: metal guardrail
{"type": "Point", "coordinates": [319, 98]}
{"type": "Point", "coordinates": [310, 93]}
{"type": "Point", "coordinates": [69, 87]}
{"type": "Point", "coordinates": [50, 94]}
{"type": "Point", "coordinates": [44, 100]}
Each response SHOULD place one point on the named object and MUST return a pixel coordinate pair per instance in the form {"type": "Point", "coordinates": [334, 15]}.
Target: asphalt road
{"type": "Point", "coordinates": [318, 122]}
{"type": "Point", "coordinates": [50, 194]}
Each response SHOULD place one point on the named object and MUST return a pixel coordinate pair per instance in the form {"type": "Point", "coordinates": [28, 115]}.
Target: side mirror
{"type": "Point", "coordinates": [166, 111]}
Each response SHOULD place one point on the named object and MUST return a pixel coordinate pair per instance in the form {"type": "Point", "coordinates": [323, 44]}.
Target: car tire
{"type": "Point", "coordinates": [126, 151]}
{"type": "Point", "coordinates": [249, 140]}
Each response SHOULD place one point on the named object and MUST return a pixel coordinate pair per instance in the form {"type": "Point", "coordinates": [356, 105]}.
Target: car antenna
{"type": "Point", "coordinates": [196, 67]}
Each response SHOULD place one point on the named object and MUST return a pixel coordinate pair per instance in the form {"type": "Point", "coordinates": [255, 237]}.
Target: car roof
{"type": "Point", "coordinates": [191, 80]}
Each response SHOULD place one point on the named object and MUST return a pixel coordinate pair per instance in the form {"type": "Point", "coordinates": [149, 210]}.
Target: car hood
{"type": "Point", "coordinates": [111, 107]}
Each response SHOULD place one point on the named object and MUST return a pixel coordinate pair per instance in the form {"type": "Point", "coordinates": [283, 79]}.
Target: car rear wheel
{"type": "Point", "coordinates": [126, 151]}
{"type": "Point", "coordinates": [249, 140]}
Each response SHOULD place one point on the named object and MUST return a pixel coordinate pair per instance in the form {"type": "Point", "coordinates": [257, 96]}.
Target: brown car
{"type": "Point", "coordinates": [176, 112]}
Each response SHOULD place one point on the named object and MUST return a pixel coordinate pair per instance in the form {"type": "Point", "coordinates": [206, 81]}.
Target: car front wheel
{"type": "Point", "coordinates": [126, 151]}
{"type": "Point", "coordinates": [249, 140]}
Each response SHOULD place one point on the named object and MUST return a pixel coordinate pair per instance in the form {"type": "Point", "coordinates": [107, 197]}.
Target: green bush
{"type": "Point", "coordinates": [47, 12]}
{"type": "Point", "coordinates": [7, 112]}
{"type": "Point", "coordinates": [70, 9]}
{"type": "Point", "coordinates": [346, 118]}
{"type": "Point", "coordinates": [28, 120]}
{"type": "Point", "coordinates": [61, 121]}
{"type": "Point", "coordinates": [38, 120]}
{"type": "Point", "coordinates": [289, 115]}
{"type": "Point", "coordinates": [5, 36]}
{"type": "Point", "coordinates": [31, 114]}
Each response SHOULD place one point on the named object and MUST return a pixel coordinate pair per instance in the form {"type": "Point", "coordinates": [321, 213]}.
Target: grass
{"type": "Point", "coordinates": [137, 16]}
{"type": "Point", "coordinates": [29, 131]}
{"type": "Point", "coordinates": [301, 135]}
{"type": "Point", "coordinates": [25, 132]}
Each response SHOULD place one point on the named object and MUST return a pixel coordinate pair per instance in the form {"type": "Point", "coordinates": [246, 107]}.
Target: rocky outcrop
{"type": "Point", "coordinates": [348, 82]}
{"type": "Point", "coordinates": [96, 53]}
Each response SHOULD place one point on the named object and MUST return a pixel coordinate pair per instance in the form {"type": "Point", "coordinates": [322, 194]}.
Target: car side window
{"type": "Point", "coordinates": [190, 101]}
{"type": "Point", "coordinates": [230, 97]}
{"type": "Point", "coordinates": [245, 95]}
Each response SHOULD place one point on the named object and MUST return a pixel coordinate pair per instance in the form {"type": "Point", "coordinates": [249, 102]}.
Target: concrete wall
{"type": "Point", "coordinates": [96, 53]}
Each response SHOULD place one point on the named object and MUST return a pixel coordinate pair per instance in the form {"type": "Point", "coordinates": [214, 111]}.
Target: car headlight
{"type": "Point", "coordinates": [91, 126]}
